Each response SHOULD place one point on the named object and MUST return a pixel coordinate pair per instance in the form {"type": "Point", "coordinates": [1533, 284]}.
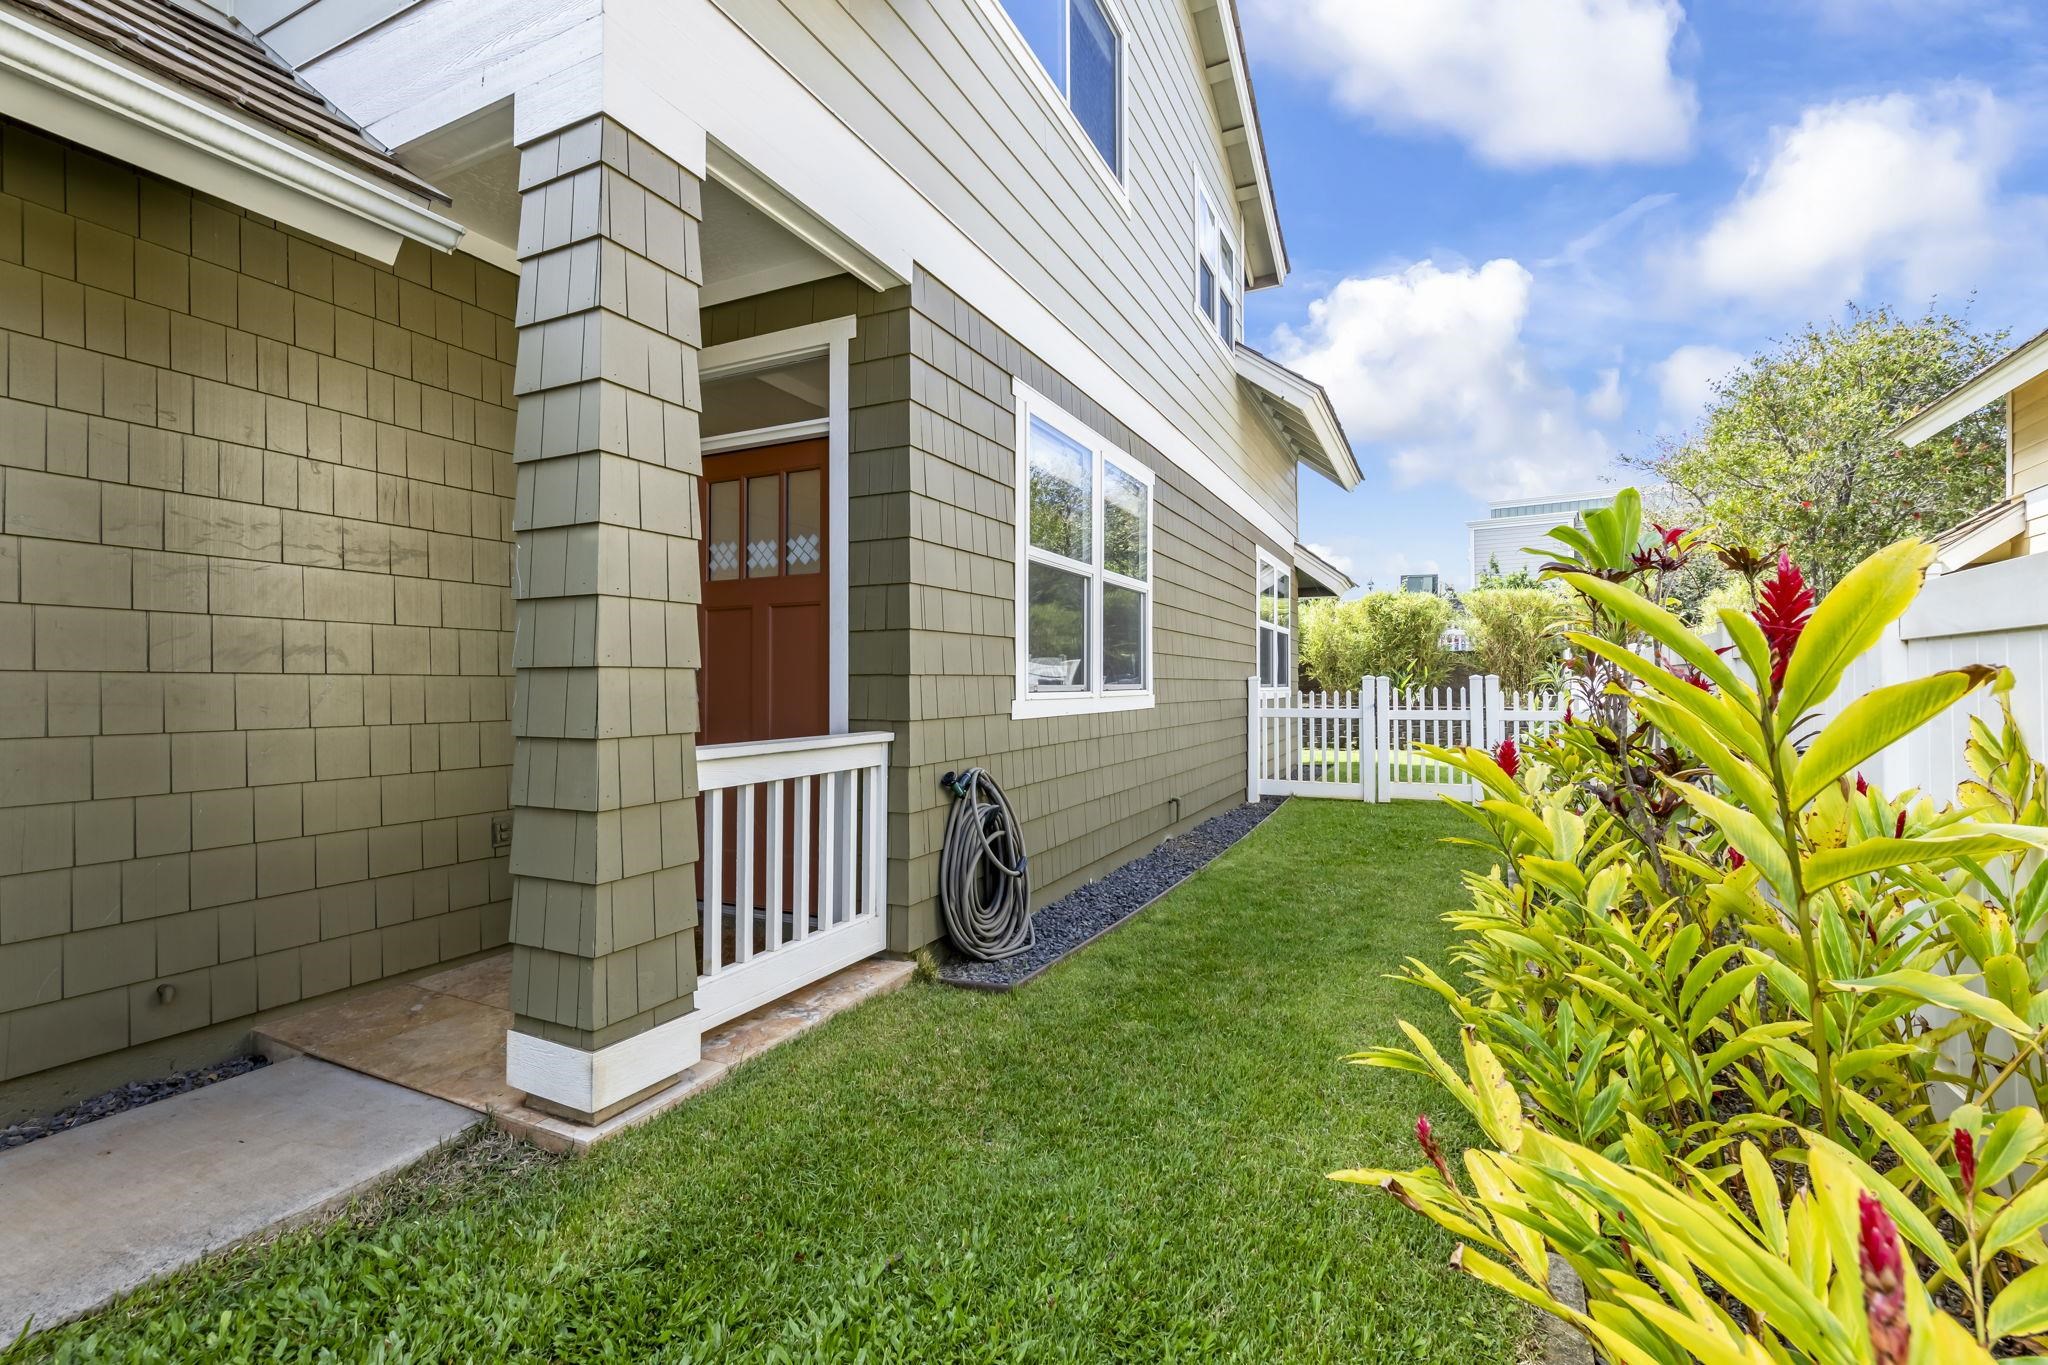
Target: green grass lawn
{"type": "Point", "coordinates": [1122, 1161]}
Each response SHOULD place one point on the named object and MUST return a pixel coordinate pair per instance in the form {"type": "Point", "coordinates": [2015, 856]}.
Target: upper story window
{"type": "Point", "coordinates": [1081, 49]}
{"type": "Point", "coordinates": [1219, 275]}
{"type": "Point", "coordinates": [1084, 568]}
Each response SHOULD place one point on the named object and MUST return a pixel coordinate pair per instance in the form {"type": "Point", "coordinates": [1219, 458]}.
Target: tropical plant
{"type": "Point", "coordinates": [1711, 951]}
{"type": "Point", "coordinates": [1791, 450]}
{"type": "Point", "coordinates": [1515, 633]}
{"type": "Point", "coordinates": [1398, 635]}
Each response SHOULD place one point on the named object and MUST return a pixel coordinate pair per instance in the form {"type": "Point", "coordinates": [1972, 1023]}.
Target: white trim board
{"type": "Point", "coordinates": [73, 89]}
{"type": "Point", "coordinates": [592, 1082]}
{"type": "Point", "coordinates": [720, 87]}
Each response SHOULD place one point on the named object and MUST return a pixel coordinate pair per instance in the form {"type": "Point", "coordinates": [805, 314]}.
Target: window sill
{"type": "Point", "coordinates": [1041, 706]}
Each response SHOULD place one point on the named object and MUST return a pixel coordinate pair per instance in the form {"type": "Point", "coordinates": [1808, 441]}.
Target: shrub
{"type": "Point", "coordinates": [1721, 996]}
{"type": "Point", "coordinates": [1515, 634]}
{"type": "Point", "coordinates": [1395, 634]}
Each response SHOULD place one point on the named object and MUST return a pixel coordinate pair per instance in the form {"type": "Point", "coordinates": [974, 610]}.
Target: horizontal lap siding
{"type": "Point", "coordinates": [2030, 451]}
{"type": "Point", "coordinates": [938, 94]}
{"type": "Point", "coordinates": [255, 630]}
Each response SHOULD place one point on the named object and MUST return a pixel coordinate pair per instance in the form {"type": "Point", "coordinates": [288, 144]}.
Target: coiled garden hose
{"type": "Point", "coordinates": [984, 873]}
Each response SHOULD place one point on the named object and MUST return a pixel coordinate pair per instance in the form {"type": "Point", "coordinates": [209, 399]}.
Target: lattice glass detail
{"type": "Point", "coordinates": [722, 553]}
{"type": "Point", "coordinates": [806, 520]}
{"type": "Point", "coordinates": [764, 525]}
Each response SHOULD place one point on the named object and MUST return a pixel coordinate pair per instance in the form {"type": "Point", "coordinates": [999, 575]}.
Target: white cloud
{"type": "Point", "coordinates": [1523, 82]}
{"type": "Point", "coordinates": [1894, 184]}
{"type": "Point", "coordinates": [1431, 364]}
{"type": "Point", "coordinates": [1685, 378]}
{"type": "Point", "coordinates": [1608, 400]}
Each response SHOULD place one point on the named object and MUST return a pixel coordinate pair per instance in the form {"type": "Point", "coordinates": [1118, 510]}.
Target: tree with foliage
{"type": "Point", "coordinates": [1792, 452]}
{"type": "Point", "coordinates": [1393, 634]}
{"type": "Point", "coordinates": [1495, 578]}
{"type": "Point", "coordinates": [1515, 634]}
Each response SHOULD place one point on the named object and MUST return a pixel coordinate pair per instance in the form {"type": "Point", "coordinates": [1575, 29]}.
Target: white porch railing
{"type": "Point", "coordinates": [793, 861]}
{"type": "Point", "coordinates": [1364, 745]}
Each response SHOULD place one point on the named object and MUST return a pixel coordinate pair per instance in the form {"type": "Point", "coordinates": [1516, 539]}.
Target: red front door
{"type": "Point", "coordinates": [765, 594]}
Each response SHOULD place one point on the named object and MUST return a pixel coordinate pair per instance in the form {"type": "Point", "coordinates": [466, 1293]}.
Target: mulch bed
{"type": "Point", "coordinates": [133, 1095]}
{"type": "Point", "coordinates": [1088, 912]}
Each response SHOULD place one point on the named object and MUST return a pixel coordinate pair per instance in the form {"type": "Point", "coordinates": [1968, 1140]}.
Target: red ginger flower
{"type": "Point", "coordinates": [1899, 828]}
{"type": "Point", "coordinates": [1862, 787]}
{"type": "Point", "coordinates": [1966, 1159]}
{"type": "Point", "coordinates": [1735, 860]}
{"type": "Point", "coordinates": [1426, 1135]}
{"type": "Point", "coordinates": [1783, 607]}
{"type": "Point", "coordinates": [1508, 756]}
{"type": "Point", "coordinates": [1884, 1282]}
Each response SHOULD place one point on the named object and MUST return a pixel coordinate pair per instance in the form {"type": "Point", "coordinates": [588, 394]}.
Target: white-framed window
{"type": "Point", "coordinates": [1079, 45]}
{"type": "Point", "coordinates": [1219, 271]}
{"type": "Point", "coordinates": [1276, 625]}
{"type": "Point", "coordinates": [1084, 567]}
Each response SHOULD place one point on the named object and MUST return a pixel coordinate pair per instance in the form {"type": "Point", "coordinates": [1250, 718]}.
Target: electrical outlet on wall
{"type": "Point", "coordinates": [501, 833]}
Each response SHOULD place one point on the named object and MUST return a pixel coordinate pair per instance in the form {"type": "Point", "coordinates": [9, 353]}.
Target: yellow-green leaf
{"type": "Point", "coordinates": [1848, 621]}
{"type": "Point", "coordinates": [1876, 720]}
{"type": "Point", "coordinates": [1832, 865]}
{"type": "Point", "coordinates": [1948, 992]}
{"type": "Point", "coordinates": [1660, 625]}
{"type": "Point", "coordinates": [2023, 1308]}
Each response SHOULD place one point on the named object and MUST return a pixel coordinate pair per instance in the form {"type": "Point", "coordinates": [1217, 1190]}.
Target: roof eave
{"type": "Point", "coordinates": [1312, 567]}
{"type": "Point", "coordinates": [1237, 110]}
{"type": "Point", "coordinates": [68, 87]}
{"type": "Point", "coordinates": [1326, 449]}
{"type": "Point", "coordinates": [2026, 361]}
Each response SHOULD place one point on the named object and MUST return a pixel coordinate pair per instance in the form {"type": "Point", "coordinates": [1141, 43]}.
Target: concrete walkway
{"type": "Point", "coordinates": [99, 1210]}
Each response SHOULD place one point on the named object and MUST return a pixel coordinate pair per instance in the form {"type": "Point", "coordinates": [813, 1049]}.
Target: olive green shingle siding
{"type": "Point", "coordinates": [932, 603]}
{"type": "Point", "coordinates": [255, 617]}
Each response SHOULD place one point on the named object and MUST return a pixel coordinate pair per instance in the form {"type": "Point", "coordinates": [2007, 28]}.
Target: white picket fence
{"type": "Point", "coordinates": [1365, 745]}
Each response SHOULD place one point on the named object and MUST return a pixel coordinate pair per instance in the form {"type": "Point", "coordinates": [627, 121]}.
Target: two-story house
{"type": "Point", "coordinates": [567, 476]}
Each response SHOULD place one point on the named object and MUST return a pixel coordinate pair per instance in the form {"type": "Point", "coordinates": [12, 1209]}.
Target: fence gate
{"type": "Point", "coordinates": [1366, 745]}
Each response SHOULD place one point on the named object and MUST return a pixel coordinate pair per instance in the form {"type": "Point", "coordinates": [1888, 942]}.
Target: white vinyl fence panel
{"type": "Point", "coordinates": [1366, 745]}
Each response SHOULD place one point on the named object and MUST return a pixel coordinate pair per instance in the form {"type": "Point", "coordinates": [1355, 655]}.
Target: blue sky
{"type": "Point", "coordinates": [1526, 234]}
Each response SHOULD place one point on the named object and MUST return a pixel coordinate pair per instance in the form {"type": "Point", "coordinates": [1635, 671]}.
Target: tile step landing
{"type": "Point", "coordinates": [444, 1035]}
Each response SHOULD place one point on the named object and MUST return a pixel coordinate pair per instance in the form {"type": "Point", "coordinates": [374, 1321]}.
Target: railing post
{"type": "Point", "coordinates": [1380, 725]}
{"type": "Point", "coordinates": [1362, 744]}
{"type": "Point", "coordinates": [1251, 740]}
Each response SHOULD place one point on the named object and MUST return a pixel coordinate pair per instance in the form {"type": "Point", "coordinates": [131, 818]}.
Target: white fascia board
{"type": "Point", "coordinates": [1311, 403]}
{"type": "Point", "coordinates": [2010, 521]}
{"type": "Point", "coordinates": [1322, 570]}
{"type": "Point", "coordinates": [2028, 360]}
{"type": "Point", "coordinates": [1262, 199]}
{"type": "Point", "coordinates": [70, 88]}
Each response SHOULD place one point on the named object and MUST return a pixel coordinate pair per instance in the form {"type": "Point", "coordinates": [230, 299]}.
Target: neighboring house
{"type": "Point", "coordinates": [2017, 525]}
{"type": "Point", "coordinates": [1430, 583]}
{"type": "Point", "coordinates": [1500, 540]}
{"type": "Point", "coordinates": [712, 423]}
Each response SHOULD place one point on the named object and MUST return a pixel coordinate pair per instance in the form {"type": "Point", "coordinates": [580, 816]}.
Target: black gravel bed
{"type": "Point", "coordinates": [133, 1095]}
{"type": "Point", "coordinates": [1088, 912]}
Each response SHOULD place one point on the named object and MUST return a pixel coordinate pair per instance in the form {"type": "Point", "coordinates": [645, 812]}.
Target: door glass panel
{"type": "Point", "coordinates": [764, 525]}
{"type": "Point", "coordinates": [1062, 486]}
{"type": "Point", "coordinates": [1125, 517]}
{"type": "Point", "coordinates": [774, 396]}
{"type": "Point", "coordinates": [1058, 639]}
{"type": "Point", "coordinates": [806, 547]}
{"type": "Point", "coordinates": [1123, 636]}
{"type": "Point", "coordinates": [722, 549]}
